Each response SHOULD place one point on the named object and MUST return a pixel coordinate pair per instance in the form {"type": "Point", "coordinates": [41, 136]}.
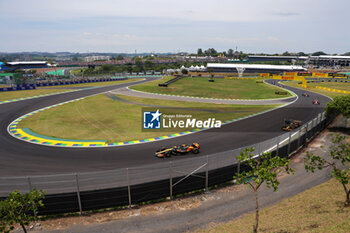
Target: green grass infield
{"type": "Point", "coordinates": [104, 118]}
{"type": "Point", "coordinates": [220, 88]}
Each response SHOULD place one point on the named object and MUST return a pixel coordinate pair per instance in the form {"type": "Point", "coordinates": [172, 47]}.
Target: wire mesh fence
{"type": "Point", "coordinates": [85, 191]}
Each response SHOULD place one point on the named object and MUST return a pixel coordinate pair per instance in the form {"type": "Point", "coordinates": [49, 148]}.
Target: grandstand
{"type": "Point", "coordinates": [325, 60]}
{"type": "Point", "coordinates": [275, 58]}
{"type": "Point", "coordinates": [24, 65]}
{"type": "Point", "coordinates": [252, 68]}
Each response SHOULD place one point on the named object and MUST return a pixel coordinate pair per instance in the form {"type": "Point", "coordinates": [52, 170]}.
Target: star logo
{"type": "Point", "coordinates": [156, 115]}
{"type": "Point", "coordinates": [151, 120]}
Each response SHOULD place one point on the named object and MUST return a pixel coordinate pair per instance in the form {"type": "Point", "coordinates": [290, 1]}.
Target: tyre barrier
{"type": "Point", "coordinates": [281, 92]}
{"type": "Point", "coordinates": [77, 82]}
{"type": "Point", "coordinates": [170, 81]}
{"type": "Point", "coordinates": [135, 187]}
{"type": "Point", "coordinates": [19, 87]}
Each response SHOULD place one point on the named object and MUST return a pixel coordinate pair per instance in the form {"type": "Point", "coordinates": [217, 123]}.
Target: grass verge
{"type": "Point", "coordinates": [221, 88]}
{"type": "Point", "coordinates": [102, 118]}
{"type": "Point", "coordinates": [319, 209]}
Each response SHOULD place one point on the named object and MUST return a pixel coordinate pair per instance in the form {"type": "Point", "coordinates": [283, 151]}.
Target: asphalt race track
{"type": "Point", "coordinates": [19, 158]}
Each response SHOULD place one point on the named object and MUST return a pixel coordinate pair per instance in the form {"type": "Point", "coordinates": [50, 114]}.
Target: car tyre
{"type": "Point", "coordinates": [195, 151]}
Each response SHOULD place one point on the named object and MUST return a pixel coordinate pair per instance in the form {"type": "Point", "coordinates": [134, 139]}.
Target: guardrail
{"type": "Point", "coordinates": [94, 190]}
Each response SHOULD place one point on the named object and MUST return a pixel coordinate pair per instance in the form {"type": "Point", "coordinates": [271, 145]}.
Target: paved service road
{"type": "Point", "coordinates": [18, 158]}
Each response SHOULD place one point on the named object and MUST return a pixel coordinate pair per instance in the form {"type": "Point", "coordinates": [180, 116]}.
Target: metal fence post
{"type": "Point", "coordinates": [129, 191]}
{"type": "Point", "coordinates": [299, 136]}
{"type": "Point", "coordinates": [260, 149]}
{"type": "Point", "coordinates": [29, 184]}
{"type": "Point", "coordinates": [278, 145]}
{"type": "Point", "coordinates": [207, 174]}
{"type": "Point", "coordinates": [239, 167]}
{"type": "Point", "coordinates": [78, 194]}
{"type": "Point", "coordinates": [319, 122]}
{"type": "Point", "coordinates": [289, 140]}
{"type": "Point", "coordinates": [314, 126]}
{"type": "Point", "coordinates": [323, 120]}
{"type": "Point", "coordinates": [171, 179]}
{"type": "Point", "coordinates": [31, 189]}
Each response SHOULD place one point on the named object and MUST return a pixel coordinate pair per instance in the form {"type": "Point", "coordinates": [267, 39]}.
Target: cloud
{"type": "Point", "coordinates": [195, 10]}
{"type": "Point", "coordinates": [163, 25]}
{"type": "Point", "coordinates": [286, 14]}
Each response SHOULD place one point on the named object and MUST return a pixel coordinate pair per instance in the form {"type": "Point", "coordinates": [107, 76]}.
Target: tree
{"type": "Point", "coordinates": [339, 105]}
{"type": "Point", "coordinates": [120, 57]}
{"type": "Point", "coordinates": [346, 54]}
{"type": "Point", "coordinates": [184, 71]}
{"type": "Point", "coordinates": [339, 162]}
{"type": "Point", "coordinates": [199, 52]}
{"type": "Point", "coordinates": [128, 67]}
{"type": "Point", "coordinates": [139, 64]}
{"type": "Point", "coordinates": [300, 54]}
{"type": "Point", "coordinates": [149, 65]}
{"type": "Point", "coordinates": [210, 71]}
{"type": "Point", "coordinates": [211, 52]}
{"type": "Point", "coordinates": [263, 169]}
{"type": "Point", "coordinates": [20, 209]}
{"type": "Point", "coordinates": [230, 53]}
{"type": "Point", "coordinates": [319, 53]}
{"type": "Point", "coordinates": [107, 67]}
{"type": "Point", "coordinates": [19, 78]}
{"type": "Point", "coordinates": [286, 53]}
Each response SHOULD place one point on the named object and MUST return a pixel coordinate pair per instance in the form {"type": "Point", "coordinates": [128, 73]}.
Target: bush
{"type": "Point", "coordinates": [340, 105]}
{"type": "Point", "coordinates": [20, 209]}
{"type": "Point", "coordinates": [184, 71]}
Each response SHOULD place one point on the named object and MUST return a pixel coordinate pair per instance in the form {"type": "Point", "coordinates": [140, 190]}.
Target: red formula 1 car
{"type": "Point", "coordinates": [291, 124]}
{"type": "Point", "coordinates": [178, 150]}
{"type": "Point", "coordinates": [316, 102]}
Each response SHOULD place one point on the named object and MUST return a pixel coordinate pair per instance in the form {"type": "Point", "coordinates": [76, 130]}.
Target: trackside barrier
{"type": "Point", "coordinates": [44, 84]}
{"type": "Point", "coordinates": [125, 187]}
{"type": "Point", "coordinates": [333, 90]}
{"type": "Point", "coordinates": [19, 87]}
{"type": "Point", "coordinates": [167, 83]}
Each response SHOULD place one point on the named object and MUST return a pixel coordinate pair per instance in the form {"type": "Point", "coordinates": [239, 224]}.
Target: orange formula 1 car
{"type": "Point", "coordinates": [291, 125]}
{"type": "Point", "coordinates": [177, 150]}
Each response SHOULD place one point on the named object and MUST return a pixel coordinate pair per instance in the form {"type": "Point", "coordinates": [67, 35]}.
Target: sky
{"type": "Point", "coordinates": [123, 26]}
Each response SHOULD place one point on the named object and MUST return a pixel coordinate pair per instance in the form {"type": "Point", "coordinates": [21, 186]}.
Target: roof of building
{"type": "Point", "coordinates": [268, 56]}
{"type": "Point", "coordinates": [254, 66]}
{"type": "Point", "coordinates": [332, 57]}
{"type": "Point", "coordinates": [27, 63]}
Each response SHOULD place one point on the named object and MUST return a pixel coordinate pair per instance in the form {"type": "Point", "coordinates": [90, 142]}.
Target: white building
{"type": "Point", "coordinates": [97, 58]}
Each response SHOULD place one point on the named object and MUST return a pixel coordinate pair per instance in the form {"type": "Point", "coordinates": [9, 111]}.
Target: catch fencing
{"type": "Point", "coordinates": [121, 187]}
